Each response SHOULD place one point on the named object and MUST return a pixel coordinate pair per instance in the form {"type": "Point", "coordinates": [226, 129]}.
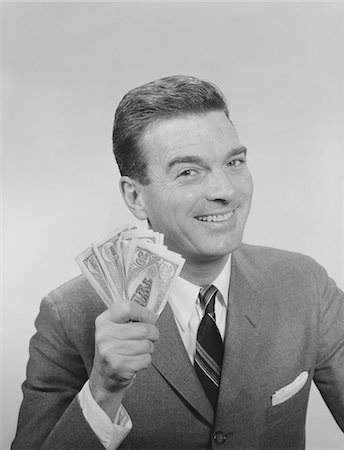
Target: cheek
{"type": "Point", "coordinates": [187, 197]}
{"type": "Point", "coordinates": [178, 197]}
{"type": "Point", "coordinates": [159, 200]}
{"type": "Point", "coordinates": [177, 205]}
{"type": "Point", "coordinates": [250, 191]}
{"type": "Point", "coordinates": [168, 203]}
{"type": "Point", "coordinates": [245, 186]}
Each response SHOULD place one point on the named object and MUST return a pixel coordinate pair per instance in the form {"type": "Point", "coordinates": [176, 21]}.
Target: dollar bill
{"type": "Point", "coordinates": [146, 235]}
{"type": "Point", "coordinates": [111, 261]}
{"type": "Point", "coordinates": [124, 244]}
{"type": "Point", "coordinates": [150, 274]}
{"type": "Point", "coordinates": [92, 270]}
{"type": "Point", "coordinates": [131, 264]}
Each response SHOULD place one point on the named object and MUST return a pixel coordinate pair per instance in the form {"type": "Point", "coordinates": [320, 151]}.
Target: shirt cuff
{"type": "Point", "coordinates": [110, 434]}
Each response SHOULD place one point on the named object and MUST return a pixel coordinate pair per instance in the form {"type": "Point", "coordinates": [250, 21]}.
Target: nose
{"type": "Point", "coordinates": [219, 187]}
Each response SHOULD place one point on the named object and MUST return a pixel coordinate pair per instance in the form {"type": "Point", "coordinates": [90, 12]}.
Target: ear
{"type": "Point", "coordinates": [132, 194]}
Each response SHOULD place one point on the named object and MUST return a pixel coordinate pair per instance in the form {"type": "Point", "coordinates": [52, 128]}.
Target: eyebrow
{"type": "Point", "coordinates": [197, 160]}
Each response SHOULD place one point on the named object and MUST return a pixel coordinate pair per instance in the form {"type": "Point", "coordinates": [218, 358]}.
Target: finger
{"type": "Point", "coordinates": [122, 365]}
{"type": "Point", "coordinates": [132, 331]}
{"type": "Point", "coordinates": [140, 362]}
{"type": "Point", "coordinates": [122, 312]}
{"type": "Point", "coordinates": [134, 348]}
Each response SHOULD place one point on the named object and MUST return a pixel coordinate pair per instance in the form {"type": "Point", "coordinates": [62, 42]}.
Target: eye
{"type": "Point", "coordinates": [187, 173]}
{"type": "Point", "coordinates": [236, 162]}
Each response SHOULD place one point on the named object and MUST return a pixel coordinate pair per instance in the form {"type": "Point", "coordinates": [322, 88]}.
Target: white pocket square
{"type": "Point", "coordinates": [289, 390]}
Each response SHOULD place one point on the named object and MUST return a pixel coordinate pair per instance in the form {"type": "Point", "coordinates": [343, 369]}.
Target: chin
{"type": "Point", "coordinates": [223, 249]}
{"type": "Point", "coordinates": [213, 255]}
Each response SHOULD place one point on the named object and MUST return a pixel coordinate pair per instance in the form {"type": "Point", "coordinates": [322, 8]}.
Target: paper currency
{"type": "Point", "coordinates": [90, 266]}
{"type": "Point", "coordinates": [131, 264]}
{"type": "Point", "coordinates": [106, 252]}
{"type": "Point", "coordinates": [150, 274]}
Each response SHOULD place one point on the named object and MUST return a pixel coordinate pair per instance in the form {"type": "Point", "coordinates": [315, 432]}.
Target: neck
{"type": "Point", "coordinates": [203, 273]}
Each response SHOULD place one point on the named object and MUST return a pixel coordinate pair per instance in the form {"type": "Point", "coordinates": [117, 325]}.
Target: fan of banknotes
{"type": "Point", "coordinates": [131, 264]}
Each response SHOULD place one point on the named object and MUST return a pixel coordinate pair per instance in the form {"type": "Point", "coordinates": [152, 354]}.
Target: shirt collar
{"type": "Point", "coordinates": [183, 294]}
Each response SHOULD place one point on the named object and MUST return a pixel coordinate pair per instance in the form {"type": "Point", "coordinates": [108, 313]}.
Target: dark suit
{"type": "Point", "coordinates": [285, 317]}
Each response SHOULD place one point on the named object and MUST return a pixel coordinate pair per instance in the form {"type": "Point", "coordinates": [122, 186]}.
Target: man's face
{"type": "Point", "coordinates": [200, 188]}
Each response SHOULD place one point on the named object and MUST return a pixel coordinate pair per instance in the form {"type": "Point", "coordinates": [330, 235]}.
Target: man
{"type": "Point", "coordinates": [230, 360]}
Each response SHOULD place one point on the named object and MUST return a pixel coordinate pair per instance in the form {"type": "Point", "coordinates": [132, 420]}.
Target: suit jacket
{"type": "Point", "coordinates": [285, 317]}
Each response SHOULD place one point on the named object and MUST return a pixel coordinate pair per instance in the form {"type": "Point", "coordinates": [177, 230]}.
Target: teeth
{"type": "Point", "coordinates": [217, 218]}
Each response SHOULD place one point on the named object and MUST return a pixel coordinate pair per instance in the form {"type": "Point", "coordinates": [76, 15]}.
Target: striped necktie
{"type": "Point", "coordinates": [209, 346]}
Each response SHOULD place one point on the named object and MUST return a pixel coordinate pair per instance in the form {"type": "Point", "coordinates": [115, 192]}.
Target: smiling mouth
{"type": "Point", "coordinates": [215, 217]}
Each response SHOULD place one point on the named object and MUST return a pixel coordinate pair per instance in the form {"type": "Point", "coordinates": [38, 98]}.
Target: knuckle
{"type": "Point", "coordinates": [99, 337]}
{"type": "Point", "coordinates": [142, 331]}
{"type": "Point", "coordinates": [108, 355]}
{"type": "Point", "coordinates": [99, 320]}
{"type": "Point", "coordinates": [101, 334]}
{"type": "Point", "coordinates": [119, 312]}
{"type": "Point", "coordinates": [116, 364]}
{"type": "Point", "coordinates": [145, 329]}
{"type": "Point", "coordinates": [146, 346]}
{"type": "Point", "coordinates": [147, 359]}
{"type": "Point", "coordinates": [103, 354]}
{"type": "Point", "coordinates": [127, 306]}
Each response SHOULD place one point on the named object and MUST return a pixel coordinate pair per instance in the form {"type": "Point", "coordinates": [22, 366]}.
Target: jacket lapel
{"type": "Point", "coordinates": [242, 327]}
{"type": "Point", "coordinates": [171, 360]}
{"type": "Point", "coordinates": [241, 342]}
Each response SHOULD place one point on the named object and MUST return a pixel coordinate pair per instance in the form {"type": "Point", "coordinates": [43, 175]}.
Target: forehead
{"type": "Point", "coordinates": [202, 135]}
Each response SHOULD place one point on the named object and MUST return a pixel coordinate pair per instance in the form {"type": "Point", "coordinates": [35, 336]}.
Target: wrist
{"type": "Point", "coordinates": [108, 401]}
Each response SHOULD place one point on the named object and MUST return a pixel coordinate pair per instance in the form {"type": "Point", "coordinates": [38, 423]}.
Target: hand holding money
{"type": "Point", "coordinates": [132, 271]}
{"type": "Point", "coordinates": [124, 344]}
{"type": "Point", "coordinates": [131, 264]}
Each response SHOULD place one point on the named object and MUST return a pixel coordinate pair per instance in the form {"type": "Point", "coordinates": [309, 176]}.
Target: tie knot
{"type": "Point", "coordinates": [206, 297]}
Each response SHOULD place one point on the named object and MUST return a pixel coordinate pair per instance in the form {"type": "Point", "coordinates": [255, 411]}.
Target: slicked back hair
{"type": "Point", "coordinates": [166, 98]}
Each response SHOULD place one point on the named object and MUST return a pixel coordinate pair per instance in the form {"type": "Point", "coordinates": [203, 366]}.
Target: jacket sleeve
{"type": "Point", "coordinates": [329, 371]}
{"type": "Point", "coordinates": [50, 416]}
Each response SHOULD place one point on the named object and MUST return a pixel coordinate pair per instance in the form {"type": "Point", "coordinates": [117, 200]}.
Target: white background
{"type": "Point", "coordinates": [64, 69]}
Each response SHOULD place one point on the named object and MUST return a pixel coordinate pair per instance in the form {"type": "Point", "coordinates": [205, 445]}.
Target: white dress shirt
{"type": "Point", "coordinates": [188, 313]}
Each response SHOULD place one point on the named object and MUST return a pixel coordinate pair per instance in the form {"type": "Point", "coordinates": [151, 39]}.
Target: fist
{"type": "Point", "coordinates": [124, 344]}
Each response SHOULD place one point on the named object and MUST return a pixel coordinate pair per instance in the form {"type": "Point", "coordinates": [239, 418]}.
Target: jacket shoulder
{"type": "Point", "coordinates": [75, 292]}
{"type": "Point", "coordinates": [75, 304]}
{"type": "Point", "coordinates": [276, 264]}
{"type": "Point", "coordinates": [272, 255]}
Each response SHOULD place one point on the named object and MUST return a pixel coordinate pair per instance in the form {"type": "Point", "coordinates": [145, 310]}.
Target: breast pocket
{"type": "Point", "coordinates": [289, 403]}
